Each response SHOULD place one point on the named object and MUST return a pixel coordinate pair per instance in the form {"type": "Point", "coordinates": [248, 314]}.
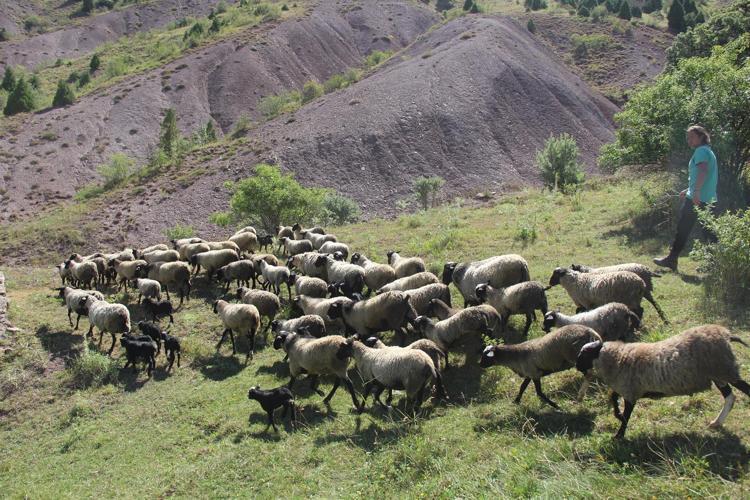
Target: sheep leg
{"type": "Point", "coordinates": [166, 289]}
{"type": "Point", "coordinates": [350, 387]}
{"type": "Point", "coordinates": [170, 358]}
{"type": "Point", "coordinates": [139, 299]}
{"type": "Point", "coordinates": [379, 388]}
{"type": "Point", "coordinates": [289, 291]}
{"type": "Point", "coordinates": [584, 386]}
{"type": "Point", "coordinates": [729, 398]}
{"type": "Point", "coordinates": [78, 318]}
{"type": "Point", "coordinates": [171, 319]}
{"type": "Point", "coordinates": [271, 422]}
{"type": "Point", "coordinates": [112, 347]}
{"type": "Point", "coordinates": [151, 365]}
{"type": "Point", "coordinates": [291, 382]}
{"type": "Point", "coordinates": [440, 388]}
{"type": "Point", "coordinates": [91, 331]}
{"type": "Point", "coordinates": [615, 400]}
{"type": "Point", "coordinates": [314, 381]}
{"type": "Point", "coordinates": [542, 396]}
{"type": "Point", "coordinates": [743, 386]}
{"type": "Point", "coordinates": [69, 318]}
{"type": "Point", "coordinates": [221, 340]}
{"type": "Point", "coordinates": [178, 359]}
{"type": "Point", "coordinates": [625, 418]}
{"type": "Point", "coordinates": [420, 397]}
{"type": "Point", "coordinates": [336, 385]}
{"type": "Point", "coordinates": [389, 399]}
{"type": "Point", "coordinates": [528, 325]}
{"type": "Point", "coordinates": [648, 296]}
{"type": "Point", "coordinates": [293, 415]}
{"type": "Point", "coordinates": [524, 385]}
{"type": "Point", "coordinates": [251, 339]}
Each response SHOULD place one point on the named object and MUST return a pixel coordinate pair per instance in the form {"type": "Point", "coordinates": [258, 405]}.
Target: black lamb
{"type": "Point", "coordinates": [265, 241]}
{"type": "Point", "coordinates": [171, 348]}
{"type": "Point", "coordinates": [273, 399]}
{"type": "Point", "coordinates": [153, 331]}
{"type": "Point", "coordinates": [159, 308]}
{"type": "Point", "coordinates": [139, 348]}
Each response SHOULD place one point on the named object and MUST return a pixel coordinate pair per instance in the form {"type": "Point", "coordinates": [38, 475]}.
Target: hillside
{"type": "Point", "coordinates": [194, 433]}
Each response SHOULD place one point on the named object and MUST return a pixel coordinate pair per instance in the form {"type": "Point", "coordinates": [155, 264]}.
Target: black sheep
{"type": "Point", "coordinates": [153, 331]}
{"type": "Point", "coordinates": [265, 241]}
{"type": "Point", "coordinates": [273, 399]}
{"type": "Point", "coordinates": [171, 348]}
{"type": "Point", "coordinates": [158, 308]}
{"type": "Point", "coordinates": [139, 348]}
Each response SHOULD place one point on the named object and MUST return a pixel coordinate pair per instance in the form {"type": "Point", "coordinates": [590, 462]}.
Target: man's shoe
{"type": "Point", "coordinates": [668, 261]}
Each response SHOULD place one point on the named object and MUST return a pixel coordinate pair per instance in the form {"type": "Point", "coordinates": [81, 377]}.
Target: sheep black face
{"type": "Point", "coordinates": [578, 267]}
{"type": "Point", "coordinates": [370, 341]}
{"type": "Point", "coordinates": [345, 350]}
{"type": "Point", "coordinates": [253, 393]}
{"type": "Point", "coordinates": [295, 304]}
{"type": "Point", "coordinates": [290, 262]}
{"type": "Point", "coordinates": [448, 269]}
{"type": "Point", "coordinates": [420, 322]}
{"type": "Point", "coordinates": [588, 354]}
{"type": "Point", "coordinates": [216, 307]}
{"type": "Point", "coordinates": [388, 255]}
{"type": "Point", "coordinates": [488, 357]}
{"type": "Point", "coordinates": [321, 260]}
{"type": "Point", "coordinates": [355, 258]}
{"type": "Point", "coordinates": [339, 256]}
{"type": "Point", "coordinates": [278, 341]}
{"type": "Point", "coordinates": [335, 311]}
{"type": "Point", "coordinates": [556, 275]}
{"type": "Point", "coordinates": [549, 321]}
{"type": "Point", "coordinates": [292, 279]}
{"type": "Point", "coordinates": [481, 292]}
{"type": "Point", "coordinates": [296, 227]}
{"type": "Point", "coordinates": [304, 331]}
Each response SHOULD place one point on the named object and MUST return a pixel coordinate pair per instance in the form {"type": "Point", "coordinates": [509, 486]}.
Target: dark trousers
{"type": "Point", "coordinates": [688, 217]}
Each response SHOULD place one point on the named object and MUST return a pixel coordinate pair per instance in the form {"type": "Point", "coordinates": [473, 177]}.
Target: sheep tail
{"type": "Point", "coordinates": [734, 338]}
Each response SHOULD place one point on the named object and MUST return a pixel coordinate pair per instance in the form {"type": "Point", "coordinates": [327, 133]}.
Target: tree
{"type": "Point", "coordinates": [94, 63]}
{"type": "Point", "coordinates": [531, 26]}
{"type": "Point", "coordinates": [558, 162]}
{"type": "Point", "coordinates": [583, 11]}
{"type": "Point", "coordinates": [271, 197]}
{"type": "Point", "coordinates": [624, 12]}
{"type": "Point", "coordinates": [21, 99]}
{"type": "Point", "coordinates": [427, 189]}
{"type": "Point", "coordinates": [64, 95]}
{"type": "Point", "coordinates": [474, 8]}
{"type": "Point", "coordinates": [636, 12]}
{"type": "Point", "coordinates": [9, 79]}
{"type": "Point", "coordinates": [340, 210]}
{"type": "Point", "coordinates": [311, 90]}
{"type": "Point", "coordinates": [170, 134]}
{"type": "Point", "coordinates": [442, 5]}
{"type": "Point", "coordinates": [88, 6]}
{"type": "Point", "coordinates": [467, 5]}
{"type": "Point", "coordinates": [676, 18]}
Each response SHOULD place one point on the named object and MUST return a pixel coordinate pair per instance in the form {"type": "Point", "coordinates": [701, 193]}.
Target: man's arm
{"type": "Point", "coordinates": [702, 173]}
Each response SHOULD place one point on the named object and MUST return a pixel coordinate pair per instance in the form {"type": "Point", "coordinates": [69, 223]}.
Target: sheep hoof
{"type": "Point", "coordinates": [714, 425]}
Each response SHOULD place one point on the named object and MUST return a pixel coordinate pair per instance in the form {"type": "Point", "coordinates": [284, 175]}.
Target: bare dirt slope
{"type": "Point", "coordinates": [471, 101]}
{"type": "Point", "coordinates": [86, 35]}
{"type": "Point", "coordinates": [48, 156]}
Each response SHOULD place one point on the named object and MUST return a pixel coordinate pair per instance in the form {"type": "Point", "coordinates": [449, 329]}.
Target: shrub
{"type": "Point", "coordinates": [334, 83]}
{"type": "Point", "coordinates": [585, 45]}
{"type": "Point", "coordinates": [84, 79]}
{"type": "Point", "coordinates": [274, 105]}
{"type": "Point", "coordinates": [311, 90]}
{"type": "Point", "coordinates": [426, 190]}
{"type": "Point", "coordinates": [339, 209]}
{"type": "Point", "coordinates": [726, 263]}
{"type": "Point", "coordinates": [197, 30]}
{"type": "Point", "coordinates": [583, 11]}
{"type": "Point", "coordinates": [531, 26]}
{"type": "Point", "coordinates": [535, 4]}
{"type": "Point", "coordinates": [468, 4]}
{"type": "Point", "coordinates": [92, 369]}
{"type": "Point", "coordinates": [676, 18]}
{"type": "Point", "coordinates": [179, 231]}
{"type": "Point", "coordinates": [475, 8]}
{"type": "Point", "coordinates": [4, 35]}
{"type": "Point", "coordinates": [443, 5]}
{"type": "Point", "coordinates": [241, 127]}
{"type": "Point", "coordinates": [216, 25]}
{"type": "Point", "coordinates": [635, 11]}
{"type": "Point", "coordinates": [87, 7]}
{"type": "Point", "coordinates": [271, 197]}
{"type": "Point", "coordinates": [221, 7]}
{"type": "Point", "coordinates": [598, 13]}
{"type": "Point", "coordinates": [558, 162]}
{"type": "Point", "coordinates": [624, 12]}
{"type": "Point", "coordinates": [64, 95]}
{"type": "Point", "coordinates": [116, 67]}
{"type": "Point", "coordinates": [94, 63]}
{"type": "Point", "coordinates": [21, 99]}
{"type": "Point", "coordinates": [120, 166]}
{"type": "Point", "coordinates": [169, 134]}
{"type": "Point", "coordinates": [377, 57]}
{"type": "Point", "coordinates": [525, 233]}
{"type": "Point", "coordinates": [9, 79]}
{"type": "Point", "coordinates": [34, 22]}
{"type": "Point", "coordinates": [206, 134]}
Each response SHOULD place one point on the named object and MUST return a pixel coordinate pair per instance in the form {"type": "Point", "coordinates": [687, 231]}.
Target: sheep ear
{"type": "Point", "coordinates": [489, 351]}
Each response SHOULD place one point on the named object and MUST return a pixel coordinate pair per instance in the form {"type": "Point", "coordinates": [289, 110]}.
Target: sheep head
{"type": "Point", "coordinates": [558, 273]}
{"type": "Point", "coordinates": [481, 292]}
{"type": "Point", "coordinates": [355, 258]}
{"type": "Point", "coordinates": [588, 354]}
{"type": "Point", "coordinates": [489, 356]}
{"type": "Point", "coordinates": [448, 269]}
{"type": "Point", "coordinates": [549, 321]}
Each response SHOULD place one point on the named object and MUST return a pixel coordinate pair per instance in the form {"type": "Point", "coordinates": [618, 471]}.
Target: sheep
{"type": "Point", "coordinates": [126, 270]}
{"type": "Point", "coordinates": [139, 349]}
{"type": "Point", "coordinates": [101, 269]}
{"type": "Point", "coordinates": [64, 272]}
{"type": "Point", "coordinates": [376, 275]}
{"type": "Point", "coordinates": [295, 247]}
{"type": "Point", "coordinates": [148, 288]}
{"type": "Point", "coordinates": [312, 323]}
{"type": "Point", "coordinates": [318, 240]}
{"type": "Point", "coordinates": [589, 291]}
{"type": "Point", "coordinates": [246, 242]}
{"type": "Point", "coordinates": [169, 274]}
{"type": "Point", "coordinates": [642, 271]}
{"type": "Point", "coordinates": [162, 256]}
{"type": "Point", "coordinates": [188, 251]}
{"type": "Point", "coordinates": [126, 254]}
{"type": "Point", "coordinates": [681, 365]}
{"type": "Point", "coordinates": [153, 248]}
{"type": "Point", "coordinates": [420, 298]}
{"type": "Point", "coordinates": [242, 270]}
{"type": "Point", "coordinates": [477, 320]}
{"type": "Point", "coordinates": [405, 266]}
{"type": "Point", "coordinates": [283, 232]}
{"type": "Point", "coordinates": [311, 305]}
{"type": "Point", "coordinates": [108, 318]}
{"type": "Point", "coordinates": [339, 290]}
{"type": "Point", "coordinates": [305, 263]}
{"type": "Point", "coordinates": [85, 273]}
{"type": "Point", "coordinates": [539, 357]}
{"type": "Point", "coordinates": [500, 271]}
{"type": "Point", "coordinates": [268, 304]}
{"type": "Point", "coordinates": [437, 308]}
{"type": "Point", "coordinates": [240, 318]}
{"type": "Point", "coordinates": [299, 231]}
{"type": "Point", "coordinates": [172, 346]}
{"type": "Point", "coordinates": [273, 399]}
{"type": "Point", "coordinates": [389, 311]}
{"type": "Point", "coordinates": [305, 285]}
{"type": "Point", "coordinates": [265, 241]}
{"type": "Point", "coordinates": [153, 331]}
{"type": "Point", "coordinates": [213, 260]}
{"type": "Point", "coordinates": [246, 229]}
{"type": "Point", "coordinates": [351, 277]}
{"type": "Point", "coordinates": [316, 357]}
{"type": "Point", "coordinates": [159, 308]}
{"type": "Point", "coordinates": [275, 276]}
{"type": "Point", "coordinates": [523, 298]}
{"type": "Point", "coordinates": [410, 282]}
{"type": "Point", "coordinates": [223, 245]}
{"type": "Point", "coordinates": [613, 321]}
{"type": "Point", "coordinates": [72, 298]}
{"type": "Point", "coordinates": [381, 369]}
{"type": "Point", "coordinates": [332, 247]}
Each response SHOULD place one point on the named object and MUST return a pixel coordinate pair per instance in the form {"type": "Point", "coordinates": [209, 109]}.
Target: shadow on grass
{"type": "Point", "coordinates": [544, 422]}
{"type": "Point", "coordinates": [217, 366]}
{"type": "Point", "coordinates": [278, 369]}
{"type": "Point", "coordinates": [61, 343]}
{"type": "Point", "coordinates": [370, 438]}
{"type": "Point", "coordinates": [721, 453]}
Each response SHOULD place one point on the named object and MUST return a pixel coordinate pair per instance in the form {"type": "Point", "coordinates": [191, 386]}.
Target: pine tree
{"type": "Point", "coordinates": [468, 4]}
{"type": "Point", "coordinates": [442, 5]}
{"type": "Point", "coordinates": [624, 12]}
{"type": "Point", "coordinates": [88, 6]}
{"type": "Point", "coordinates": [676, 18]}
{"type": "Point", "coordinates": [635, 11]}
{"type": "Point", "coordinates": [169, 133]}
{"type": "Point", "coordinates": [9, 80]}
{"type": "Point", "coordinates": [94, 63]}
{"type": "Point", "coordinates": [531, 26]}
{"type": "Point", "coordinates": [21, 99]}
{"type": "Point", "coordinates": [209, 132]}
{"type": "Point", "coordinates": [474, 8]}
{"type": "Point", "coordinates": [64, 95]}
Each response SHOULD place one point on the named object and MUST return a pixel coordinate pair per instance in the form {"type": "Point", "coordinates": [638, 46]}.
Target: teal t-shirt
{"type": "Point", "coordinates": [708, 190]}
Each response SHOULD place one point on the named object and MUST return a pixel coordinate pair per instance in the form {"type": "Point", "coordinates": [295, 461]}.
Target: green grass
{"type": "Point", "coordinates": [193, 433]}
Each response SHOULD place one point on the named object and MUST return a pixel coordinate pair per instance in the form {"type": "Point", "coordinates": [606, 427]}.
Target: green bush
{"type": "Point", "coordinates": [624, 12]}
{"type": "Point", "coordinates": [169, 134]}
{"type": "Point", "coordinates": [535, 4]}
{"type": "Point", "coordinates": [34, 22]}
{"type": "Point", "coordinates": [241, 127]}
{"type": "Point", "coordinates": [377, 57]}
{"type": "Point", "coordinates": [64, 95]}
{"type": "Point", "coordinates": [87, 6]}
{"type": "Point", "coordinates": [271, 197]}
{"type": "Point", "coordinates": [4, 35]}
{"type": "Point", "coordinates": [586, 45]}
{"type": "Point", "coordinates": [274, 105]}
{"type": "Point", "coordinates": [467, 5]}
{"type": "Point", "coordinates": [676, 18]}
{"type": "Point", "coordinates": [427, 189]}
{"type": "Point", "coordinates": [120, 166]}
{"type": "Point", "coordinates": [636, 12]}
{"type": "Point", "coordinates": [531, 26]}
{"type": "Point", "coordinates": [598, 13]}
{"type": "Point", "coordinates": [558, 162]}
{"type": "Point", "coordinates": [21, 99]}
{"type": "Point", "coordinates": [116, 67]}
{"type": "Point", "coordinates": [84, 79]}
{"type": "Point", "coordinates": [726, 263]}
{"type": "Point", "coordinates": [583, 11]}
{"type": "Point", "coordinates": [179, 231]}
{"type": "Point", "coordinates": [9, 79]}
{"type": "Point", "coordinates": [311, 90]}
{"type": "Point", "coordinates": [92, 369]}
{"type": "Point", "coordinates": [206, 134]}
{"type": "Point", "coordinates": [339, 209]}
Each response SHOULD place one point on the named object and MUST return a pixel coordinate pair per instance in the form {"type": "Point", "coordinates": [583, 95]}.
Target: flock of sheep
{"type": "Point", "coordinates": [362, 298]}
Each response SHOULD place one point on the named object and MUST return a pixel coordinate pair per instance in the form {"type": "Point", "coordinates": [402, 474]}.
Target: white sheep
{"type": "Point", "coordinates": [108, 318]}
{"type": "Point", "coordinates": [420, 298]}
{"type": "Point", "coordinates": [376, 275]}
{"type": "Point", "coordinates": [410, 282]}
{"type": "Point", "coordinates": [240, 318]}
{"type": "Point", "coordinates": [72, 298]}
{"type": "Point", "coordinates": [613, 321]}
{"type": "Point", "coordinates": [243, 271]}
{"type": "Point", "coordinates": [312, 305]}
{"type": "Point", "coordinates": [499, 271]}
{"type": "Point", "coordinates": [161, 256]}
{"type": "Point", "coordinates": [213, 260]}
{"type": "Point", "coordinates": [295, 247]}
{"type": "Point", "coordinates": [175, 275]}
{"type": "Point", "coordinates": [84, 273]}
{"type": "Point", "coordinates": [274, 277]}
{"type": "Point", "coordinates": [246, 241]}
{"type": "Point", "coordinates": [153, 248]}
{"type": "Point", "coordinates": [389, 311]}
{"type": "Point", "coordinates": [405, 266]}
{"type": "Point", "coordinates": [590, 291]}
{"type": "Point", "coordinates": [331, 247]}
{"type": "Point", "coordinates": [268, 304]}
{"type": "Point", "coordinates": [283, 232]}
{"type": "Point", "coordinates": [305, 263]}
{"type": "Point", "coordinates": [522, 298]}
{"type": "Point", "coordinates": [681, 365]}
{"type": "Point", "coordinates": [536, 358]}
{"type": "Point", "coordinates": [148, 288]}
{"type": "Point", "coordinates": [312, 287]}
{"type": "Point", "coordinates": [310, 323]}
{"type": "Point", "coordinates": [126, 270]}
{"type": "Point", "coordinates": [350, 277]}
{"type": "Point", "coordinates": [191, 249]}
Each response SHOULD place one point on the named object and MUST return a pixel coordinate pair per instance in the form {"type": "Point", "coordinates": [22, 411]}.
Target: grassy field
{"type": "Point", "coordinates": [193, 433]}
